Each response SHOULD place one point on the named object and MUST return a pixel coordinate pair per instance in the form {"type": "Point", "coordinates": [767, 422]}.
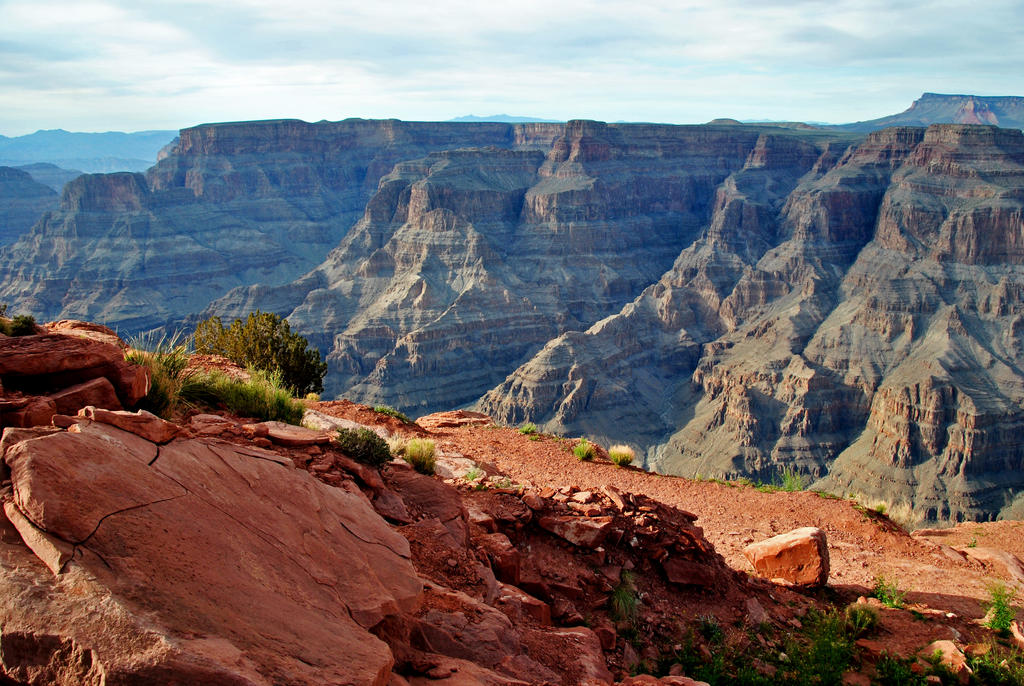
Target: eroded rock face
{"type": "Point", "coordinates": [22, 202]}
{"type": "Point", "coordinates": [71, 366]}
{"type": "Point", "coordinates": [194, 560]}
{"type": "Point", "coordinates": [733, 300]}
{"type": "Point", "coordinates": [863, 331]}
{"type": "Point", "coordinates": [234, 204]}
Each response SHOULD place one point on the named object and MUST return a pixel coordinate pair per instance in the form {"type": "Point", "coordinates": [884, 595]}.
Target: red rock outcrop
{"type": "Point", "coordinates": [73, 366]}
{"type": "Point", "coordinates": [193, 561]}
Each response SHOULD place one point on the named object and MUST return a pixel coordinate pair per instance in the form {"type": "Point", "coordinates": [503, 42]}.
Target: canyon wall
{"type": "Point", "coordinates": [730, 300]}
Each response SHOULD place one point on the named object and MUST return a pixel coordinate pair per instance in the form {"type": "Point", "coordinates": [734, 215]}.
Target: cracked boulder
{"type": "Point", "coordinates": [196, 561]}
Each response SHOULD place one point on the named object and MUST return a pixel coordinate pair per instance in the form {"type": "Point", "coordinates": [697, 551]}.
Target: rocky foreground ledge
{"type": "Point", "coordinates": [138, 551]}
{"type": "Point", "coordinates": [223, 550]}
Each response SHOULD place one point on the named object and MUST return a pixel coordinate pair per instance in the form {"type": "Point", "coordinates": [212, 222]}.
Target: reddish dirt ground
{"type": "Point", "coordinates": [945, 591]}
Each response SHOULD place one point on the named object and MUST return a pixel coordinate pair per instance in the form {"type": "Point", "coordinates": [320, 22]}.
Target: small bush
{"type": "Point", "coordinates": [792, 480]}
{"type": "Point", "coordinates": [584, 450]}
{"type": "Point", "coordinates": [474, 474]}
{"type": "Point", "coordinates": [997, 667]}
{"type": "Point", "coordinates": [419, 452]}
{"type": "Point", "coordinates": [392, 412]}
{"type": "Point", "coordinates": [263, 396]}
{"type": "Point", "coordinates": [20, 325]}
{"type": "Point", "coordinates": [364, 445]}
{"type": "Point", "coordinates": [861, 620]}
{"type": "Point", "coordinates": [830, 652]}
{"type": "Point", "coordinates": [888, 592]}
{"type": "Point", "coordinates": [621, 455]}
{"type": "Point", "coordinates": [895, 671]}
{"type": "Point", "coordinates": [1000, 612]}
{"type": "Point", "coordinates": [528, 429]}
{"type": "Point", "coordinates": [710, 628]}
{"type": "Point", "coordinates": [623, 604]}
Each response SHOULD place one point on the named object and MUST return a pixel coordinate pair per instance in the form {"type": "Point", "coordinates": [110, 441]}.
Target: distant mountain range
{"type": "Point", "coordinates": [89, 152]}
{"type": "Point", "coordinates": [1006, 111]}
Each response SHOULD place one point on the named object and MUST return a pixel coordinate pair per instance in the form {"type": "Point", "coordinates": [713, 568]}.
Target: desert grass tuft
{"type": "Point", "coordinates": [263, 396]}
{"type": "Point", "coordinates": [419, 452]}
{"type": "Point", "coordinates": [621, 455]}
{"type": "Point", "coordinates": [167, 360]}
{"type": "Point", "coordinates": [584, 450]}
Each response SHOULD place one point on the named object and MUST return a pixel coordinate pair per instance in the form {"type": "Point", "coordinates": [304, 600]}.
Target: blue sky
{"type": "Point", "coordinates": [99, 65]}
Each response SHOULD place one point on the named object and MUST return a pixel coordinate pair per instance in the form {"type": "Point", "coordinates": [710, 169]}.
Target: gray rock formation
{"type": "Point", "coordinates": [871, 342]}
{"type": "Point", "coordinates": [230, 205]}
{"type": "Point", "coordinates": [22, 202]}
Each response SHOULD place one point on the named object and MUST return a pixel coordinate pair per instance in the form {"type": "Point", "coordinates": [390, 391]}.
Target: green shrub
{"type": "Point", "coordinates": [792, 480]}
{"type": "Point", "coordinates": [830, 652]}
{"type": "Point", "coordinates": [997, 667]}
{"type": "Point", "coordinates": [419, 452]}
{"type": "Point", "coordinates": [392, 412]}
{"type": "Point", "coordinates": [265, 341]}
{"type": "Point", "coordinates": [710, 629]}
{"type": "Point", "coordinates": [396, 444]}
{"type": "Point", "coordinates": [263, 396]}
{"type": "Point", "coordinates": [364, 445]}
{"type": "Point", "coordinates": [20, 325]}
{"type": "Point", "coordinates": [528, 428]}
{"type": "Point", "coordinates": [621, 455]}
{"type": "Point", "coordinates": [1000, 613]}
{"type": "Point", "coordinates": [861, 620]}
{"type": "Point", "coordinates": [895, 671]}
{"type": "Point", "coordinates": [584, 450]}
{"type": "Point", "coordinates": [623, 603]}
{"type": "Point", "coordinates": [167, 361]}
{"type": "Point", "coordinates": [888, 592]}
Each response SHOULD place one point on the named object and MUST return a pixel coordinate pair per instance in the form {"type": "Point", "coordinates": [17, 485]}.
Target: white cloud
{"type": "Point", "coordinates": [106, 64]}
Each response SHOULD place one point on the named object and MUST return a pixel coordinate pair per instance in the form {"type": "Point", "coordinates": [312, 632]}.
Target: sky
{"type": "Point", "coordinates": [131, 65]}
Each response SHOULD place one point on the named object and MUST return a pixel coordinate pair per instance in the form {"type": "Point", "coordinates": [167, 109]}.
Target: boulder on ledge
{"type": "Point", "coordinates": [799, 557]}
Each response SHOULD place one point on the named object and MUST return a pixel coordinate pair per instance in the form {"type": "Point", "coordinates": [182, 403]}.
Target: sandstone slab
{"type": "Point", "coordinates": [195, 562]}
{"type": "Point", "coordinates": [687, 572]}
{"type": "Point", "coordinates": [433, 498]}
{"type": "Point", "coordinates": [98, 392]}
{"type": "Point", "coordinates": [294, 436]}
{"type": "Point", "coordinates": [453, 419]}
{"type": "Point", "coordinates": [47, 354]}
{"type": "Point", "coordinates": [142, 423]}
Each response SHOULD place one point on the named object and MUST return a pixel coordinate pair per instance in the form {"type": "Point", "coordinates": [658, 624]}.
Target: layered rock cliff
{"type": "Point", "coordinates": [230, 205]}
{"type": "Point", "coordinates": [871, 342]}
{"type": "Point", "coordinates": [467, 262]}
{"type": "Point", "coordinates": [731, 300]}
